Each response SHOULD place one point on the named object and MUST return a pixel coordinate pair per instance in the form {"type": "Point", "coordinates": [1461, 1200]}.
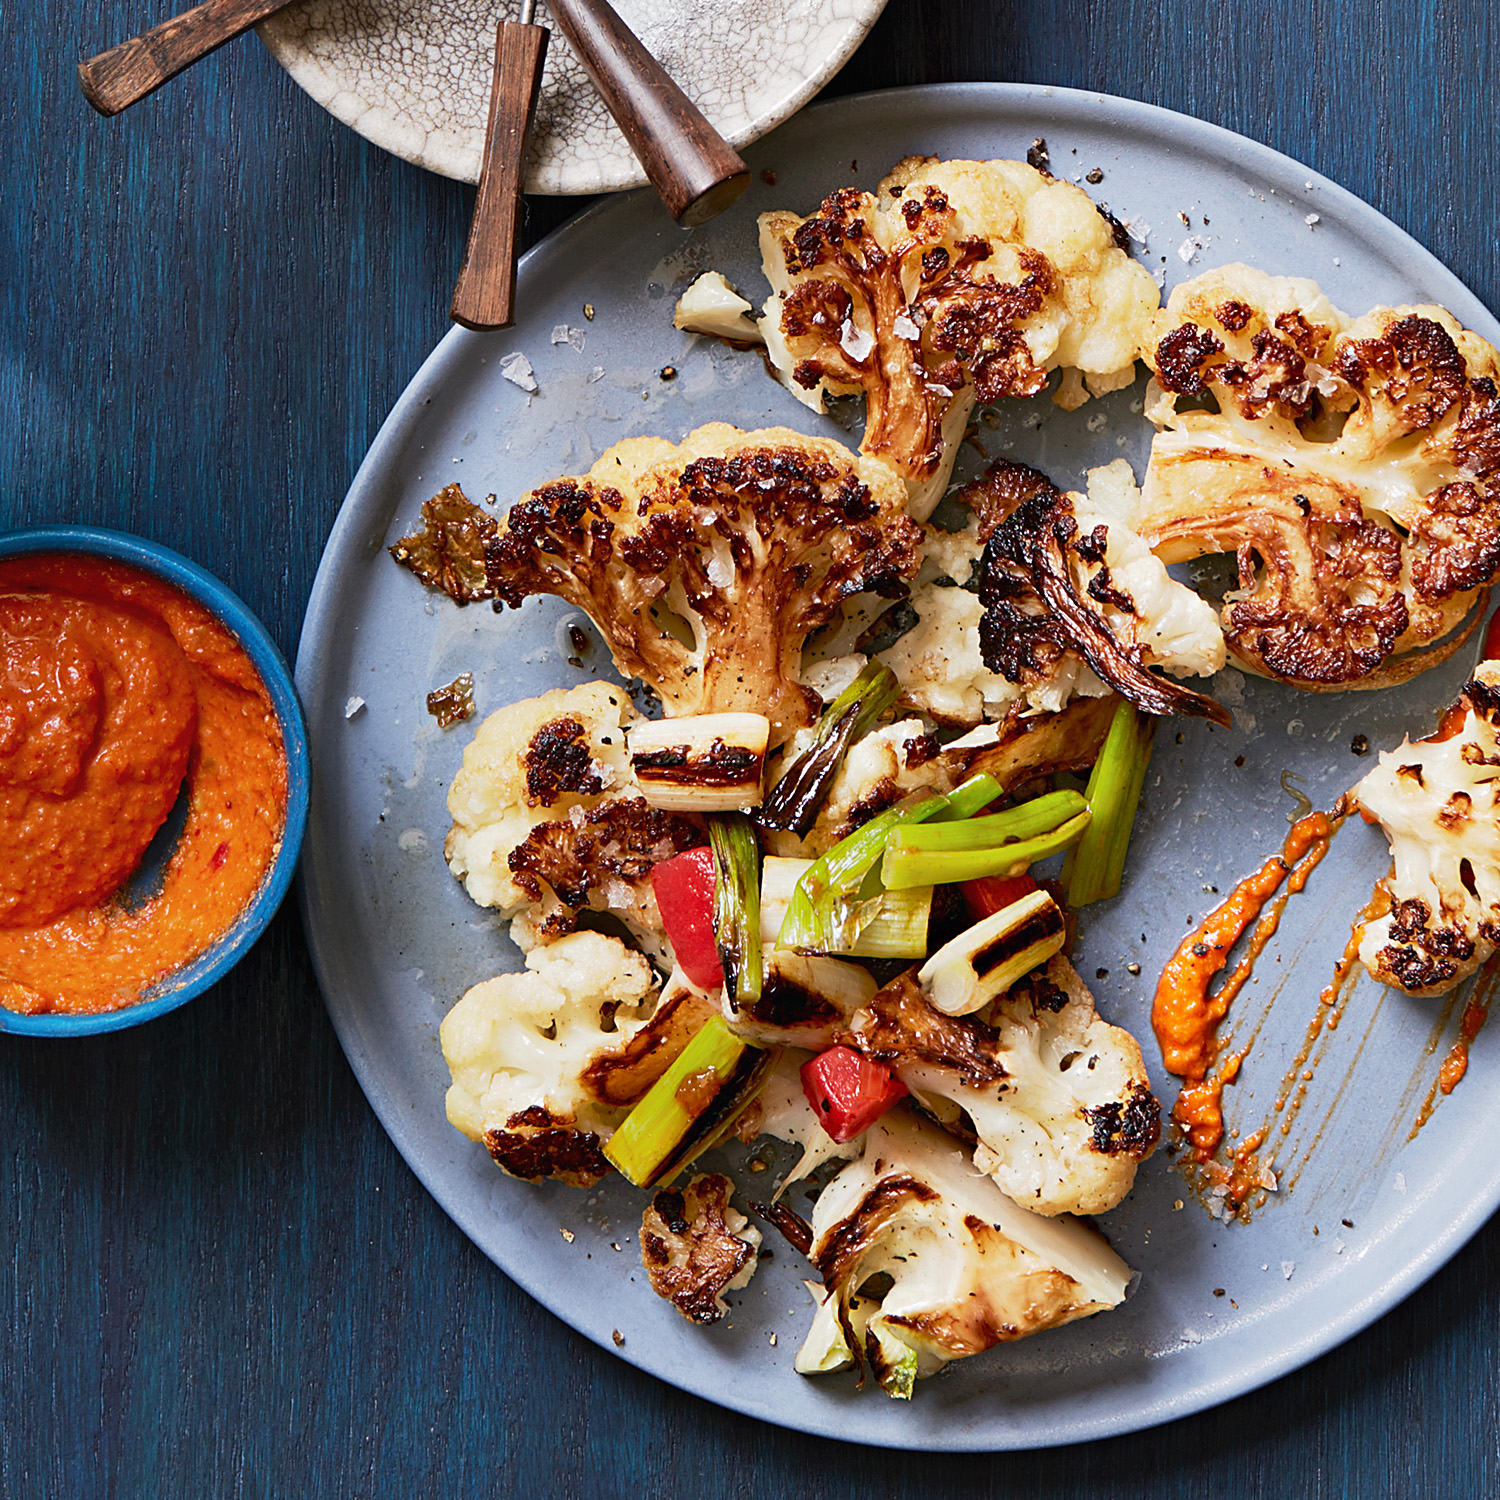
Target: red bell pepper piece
{"type": "Point", "coordinates": [684, 887]}
{"type": "Point", "coordinates": [849, 1092]}
{"type": "Point", "coordinates": [993, 893]}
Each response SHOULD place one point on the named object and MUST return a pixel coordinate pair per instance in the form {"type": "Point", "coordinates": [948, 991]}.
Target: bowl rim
{"type": "Point", "coordinates": [225, 952]}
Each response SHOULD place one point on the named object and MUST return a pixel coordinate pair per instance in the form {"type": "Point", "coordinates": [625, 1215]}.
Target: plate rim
{"type": "Point", "coordinates": [1389, 1289]}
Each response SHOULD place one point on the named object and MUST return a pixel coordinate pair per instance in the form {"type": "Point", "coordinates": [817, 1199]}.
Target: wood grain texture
{"type": "Point", "coordinates": [123, 75]}
{"type": "Point", "coordinates": [486, 292]}
{"type": "Point", "coordinates": [696, 172]}
{"type": "Point", "coordinates": [218, 1277]}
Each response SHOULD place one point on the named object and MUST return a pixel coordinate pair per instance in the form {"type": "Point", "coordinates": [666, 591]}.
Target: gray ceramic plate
{"type": "Point", "coordinates": [396, 940]}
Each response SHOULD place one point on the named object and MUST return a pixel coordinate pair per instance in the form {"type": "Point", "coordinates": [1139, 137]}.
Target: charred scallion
{"type": "Point", "coordinates": [1097, 865]}
{"type": "Point", "coordinates": [794, 801]}
{"type": "Point", "coordinates": [700, 763]}
{"type": "Point", "coordinates": [690, 1107]}
{"type": "Point", "coordinates": [737, 905]}
{"type": "Point", "coordinates": [886, 924]}
{"type": "Point", "coordinates": [990, 956]}
{"type": "Point", "coordinates": [942, 863]}
{"type": "Point", "coordinates": [837, 896]}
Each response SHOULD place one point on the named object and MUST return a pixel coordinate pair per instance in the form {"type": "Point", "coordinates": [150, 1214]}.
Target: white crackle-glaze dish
{"type": "Point", "coordinates": [1369, 1207]}
{"type": "Point", "coordinates": [413, 76]}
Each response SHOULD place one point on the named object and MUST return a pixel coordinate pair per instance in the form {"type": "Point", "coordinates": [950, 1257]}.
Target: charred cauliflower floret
{"type": "Point", "coordinates": [1058, 1098]}
{"type": "Point", "coordinates": [696, 1247]}
{"type": "Point", "coordinates": [954, 282]}
{"type": "Point", "coordinates": [548, 1061]}
{"type": "Point", "coordinates": [547, 820]}
{"type": "Point", "coordinates": [1437, 803]}
{"type": "Point", "coordinates": [1065, 576]}
{"type": "Point", "coordinates": [1353, 468]}
{"type": "Point", "coordinates": [707, 565]}
{"type": "Point", "coordinates": [924, 1262]}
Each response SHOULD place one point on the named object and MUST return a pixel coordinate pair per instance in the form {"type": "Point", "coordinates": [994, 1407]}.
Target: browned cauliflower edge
{"type": "Point", "coordinates": [1352, 468]}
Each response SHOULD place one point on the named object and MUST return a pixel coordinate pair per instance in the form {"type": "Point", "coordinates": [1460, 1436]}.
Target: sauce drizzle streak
{"type": "Point", "coordinates": [1186, 1018]}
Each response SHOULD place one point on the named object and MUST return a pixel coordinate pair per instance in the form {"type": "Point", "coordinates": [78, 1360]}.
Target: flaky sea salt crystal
{"type": "Point", "coordinates": [516, 368]}
{"type": "Point", "coordinates": [1287, 1267]}
{"type": "Point", "coordinates": [353, 706]}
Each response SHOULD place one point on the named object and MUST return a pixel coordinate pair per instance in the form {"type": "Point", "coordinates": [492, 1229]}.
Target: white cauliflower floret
{"type": "Point", "coordinates": [708, 563]}
{"type": "Point", "coordinates": [954, 282]}
{"type": "Point", "coordinates": [966, 1267]}
{"type": "Point", "coordinates": [1352, 467]}
{"type": "Point", "coordinates": [712, 307]}
{"type": "Point", "coordinates": [548, 819]}
{"type": "Point", "coordinates": [527, 764]}
{"type": "Point", "coordinates": [1050, 590]}
{"type": "Point", "coordinates": [1172, 626]}
{"type": "Point", "coordinates": [1058, 1098]}
{"type": "Point", "coordinates": [1436, 801]}
{"type": "Point", "coordinates": [546, 1062]}
{"type": "Point", "coordinates": [1137, 616]}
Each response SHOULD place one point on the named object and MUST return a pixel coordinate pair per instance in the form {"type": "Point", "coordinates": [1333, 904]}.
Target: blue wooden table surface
{"type": "Point", "coordinates": [219, 1278]}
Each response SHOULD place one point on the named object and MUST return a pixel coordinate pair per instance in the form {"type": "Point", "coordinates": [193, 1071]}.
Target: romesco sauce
{"type": "Point", "coordinates": [115, 689]}
{"type": "Point", "coordinates": [1186, 1018]}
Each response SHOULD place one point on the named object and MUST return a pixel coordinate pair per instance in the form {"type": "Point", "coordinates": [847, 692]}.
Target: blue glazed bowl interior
{"type": "Point", "coordinates": [211, 965]}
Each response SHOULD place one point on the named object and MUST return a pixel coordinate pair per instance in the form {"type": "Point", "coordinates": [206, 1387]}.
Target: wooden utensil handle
{"type": "Point", "coordinates": [695, 170]}
{"type": "Point", "coordinates": [118, 78]}
{"type": "Point", "coordinates": [486, 292]}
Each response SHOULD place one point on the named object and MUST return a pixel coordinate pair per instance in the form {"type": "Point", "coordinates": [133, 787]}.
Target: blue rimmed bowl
{"type": "Point", "coordinates": [192, 978]}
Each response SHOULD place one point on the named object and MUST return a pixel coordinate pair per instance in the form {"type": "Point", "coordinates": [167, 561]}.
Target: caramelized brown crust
{"type": "Point", "coordinates": [1131, 1128]}
{"type": "Point", "coordinates": [1034, 610]}
{"type": "Point", "coordinates": [559, 761]}
{"type": "Point", "coordinates": [534, 1146]}
{"type": "Point", "coordinates": [617, 840]}
{"type": "Point", "coordinates": [688, 1249]}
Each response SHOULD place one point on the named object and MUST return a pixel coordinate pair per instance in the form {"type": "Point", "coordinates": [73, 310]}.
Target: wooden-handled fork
{"type": "Point", "coordinates": [693, 168]}
{"type": "Point", "coordinates": [116, 79]}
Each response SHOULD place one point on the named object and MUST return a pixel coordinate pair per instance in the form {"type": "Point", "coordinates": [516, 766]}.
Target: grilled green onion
{"type": "Point", "coordinates": [737, 905]}
{"type": "Point", "coordinates": [904, 867]}
{"type": "Point", "coordinates": [700, 763]}
{"type": "Point", "coordinates": [830, 907]}
{"type": "Point", "coordinates": [990, 956]}
{"type": "Point", "coordinates": [794, 801]}
{"type": "Point", "coordinates": [690, 1107]}
{"type": "Point", "coordinates": [1096, 866]}
{"type": "Point", "coordinates": [889, 924]}
{"type": "Point", "coordinates": [1040, 815]}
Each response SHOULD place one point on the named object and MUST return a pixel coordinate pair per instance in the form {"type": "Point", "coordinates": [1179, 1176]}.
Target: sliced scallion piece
{"type": "Point", "coordinates": [1097, 864]}
{"type": "Point", "coordinates": [794, 801]}
{"type": "Point", "coordinates": [887, 924]}
{"type": "Point", "coordinates": [690, 1107]}
{"type": "Point", "coordinates": [904, 867]}
{"type": "Point", "coordinates": [737, 905]}
{"type": "Point", "coordinates": [829, 905]}
{"type": "Point", "coordinates": [990, 956]}
{"type": "Point", "coordinates": [1040, 815]}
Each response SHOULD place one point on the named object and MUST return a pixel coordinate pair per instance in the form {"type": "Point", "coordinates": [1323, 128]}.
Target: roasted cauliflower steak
{"type": "Point", "coordinates": [1352, 467]}
{"type": "Point", "coordinates": [954, 282]}
{"type": "Point", "coordinates": [706, 564]}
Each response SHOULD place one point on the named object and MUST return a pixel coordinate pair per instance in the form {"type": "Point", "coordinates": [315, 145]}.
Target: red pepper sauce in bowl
{"type": "Point", "coordinates": [119, 695]}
